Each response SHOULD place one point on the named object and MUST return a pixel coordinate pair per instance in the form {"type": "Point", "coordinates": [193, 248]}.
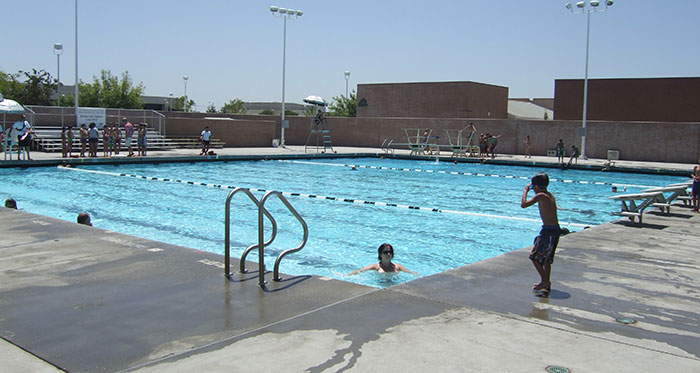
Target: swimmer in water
{"type": "Point", "coordinates": [386, 253]}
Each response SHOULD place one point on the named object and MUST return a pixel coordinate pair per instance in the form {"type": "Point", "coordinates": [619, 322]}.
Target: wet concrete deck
{"type": "Point", "coordinates": [83, 299]}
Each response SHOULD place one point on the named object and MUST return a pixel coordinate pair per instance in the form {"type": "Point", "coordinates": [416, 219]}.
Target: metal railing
{"type": "Point", "coordinates": [227, 231]}
{"type": "Point", "coordinates": [43, 114]}
{"type": "Point", "coordinates": [261, 235]}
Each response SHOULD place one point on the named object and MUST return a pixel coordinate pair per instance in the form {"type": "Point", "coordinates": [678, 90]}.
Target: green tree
{"type": "Point", "coordinates": [290, 112]}
{"type": "Point", "coordinates": [310, 111]}
{"type": "Point", "coordinates": [211, 108]}
{"type": "Point", "coordinates": [10, 86]}
{"type": "Point", "coordinates": [110, 92]}
{"type": "Point", "coordinates": [29, 88]}
{"type": "Point", "coordinates": [234, 106]}
{"type": "Point", "coordinates": [67, 100]}
{"type": "Point", "coordinates": [179, 104]}
{"type": "Point", "coordinates": [189, 105]}
{"type": "Point", "coordinates": [344, 106]}
{"type": "Point", "coordinates": [266, 112]}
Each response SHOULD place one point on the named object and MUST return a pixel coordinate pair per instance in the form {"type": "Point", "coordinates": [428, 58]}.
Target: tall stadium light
{"type": "Point", "coordinates": [58, 51]}
{"type": "Point", "coordinates": [587, 7]}
{"type": "Point", "coordinates": [347, 77]}
{"type": "Point", "coordinates": [76, 64]}
{"type": "Point", "coordinates": [284, 14]}
{"type": "Point", "coordinates": [184, 103]}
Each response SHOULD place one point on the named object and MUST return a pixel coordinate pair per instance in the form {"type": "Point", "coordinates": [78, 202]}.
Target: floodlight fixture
{"type": "Point", "coordinates": [568, 6]}
{"type": "Point", "coordinates": [609, 2]}
{"type": "Point", "coordinates": [283, 10]}
{"type": "Point", "coordinates": [274, 9]}
{"type": "Point", "coordinates": [299, 13]}
{"type": "Point", "coordinates": [581, 4]}
{"type": "Point", "coordinates": [595, 3]}
{"type": "Point", "coordinates": [58, 51]}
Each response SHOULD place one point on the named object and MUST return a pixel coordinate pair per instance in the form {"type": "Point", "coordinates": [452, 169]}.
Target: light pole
{"type": "Point", "coordinates": [284, 13]}
{"type": "Point", "coordinates": [347, 76]}
{"type": "Point", "coordinates": [58, 51]}
{"type": "Point", "coordinates": [184, 103]}
{"type": "Point", "coordinates": [76, 64]}
{"type": "Point", "coordinates": [587, 7]}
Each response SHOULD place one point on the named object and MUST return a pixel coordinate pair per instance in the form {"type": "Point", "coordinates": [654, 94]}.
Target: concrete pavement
{"type": "Point", "coordinates": [83, 299]}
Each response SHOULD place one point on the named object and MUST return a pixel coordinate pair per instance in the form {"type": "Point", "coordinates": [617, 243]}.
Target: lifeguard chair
{"type": "Point", "coordinates": [318, 126]}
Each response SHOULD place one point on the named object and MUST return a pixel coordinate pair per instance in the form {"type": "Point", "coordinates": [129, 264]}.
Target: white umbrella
{"type": "Point", "coordinates": [316, 100]}
{"type": "Point", "coordinates": [8, 106]}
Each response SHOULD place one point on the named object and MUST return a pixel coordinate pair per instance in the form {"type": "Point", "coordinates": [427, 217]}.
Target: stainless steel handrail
{"type": "Point", "coordinates": [227, 234]}
{"type": "Point", "coordinates": [387, 147]}
{"type": "Point", "coordinates": [260, 236]}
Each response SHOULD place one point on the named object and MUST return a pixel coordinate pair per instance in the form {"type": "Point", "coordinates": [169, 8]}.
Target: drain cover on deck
{"type": "Point", "coordinates": [556, 369]}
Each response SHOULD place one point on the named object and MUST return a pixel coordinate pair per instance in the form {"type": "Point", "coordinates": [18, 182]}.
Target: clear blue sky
{"type": "Point", "coordinates": [233, 49]}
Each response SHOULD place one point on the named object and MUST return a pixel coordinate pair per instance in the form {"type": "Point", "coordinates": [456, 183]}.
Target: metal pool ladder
{"type": "Point", "coordinates": [261, 239]}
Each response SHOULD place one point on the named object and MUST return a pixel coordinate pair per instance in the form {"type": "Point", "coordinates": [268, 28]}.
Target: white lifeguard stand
{"type": "Point", "coordinates": [318, 126]}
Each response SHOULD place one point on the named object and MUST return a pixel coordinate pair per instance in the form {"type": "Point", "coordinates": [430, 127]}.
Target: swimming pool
{"type": "Point", "coordinates": [437, 215]}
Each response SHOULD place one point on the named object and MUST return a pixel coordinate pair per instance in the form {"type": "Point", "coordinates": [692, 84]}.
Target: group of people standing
{"type": "Point", "coordinates": [487, 144]}
{"type": "Point", "coordinates": [575, 153]}
{"type": "Point", "coordinates": [111, 139]}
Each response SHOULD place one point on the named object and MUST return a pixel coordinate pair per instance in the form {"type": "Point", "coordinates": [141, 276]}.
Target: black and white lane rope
{"type": "Point", "coordinates": [320, 197]}
{"type": "Point", "coordinates": [478, 174]}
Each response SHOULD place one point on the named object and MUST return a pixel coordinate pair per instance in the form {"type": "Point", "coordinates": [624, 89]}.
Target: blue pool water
{"type": "Point", "coordinates": [480, 214]}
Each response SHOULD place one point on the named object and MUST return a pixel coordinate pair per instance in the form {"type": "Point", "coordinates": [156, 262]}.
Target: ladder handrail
{"type": "Point", "coordinates": [387, 147]}
{"type": "Point", "coordinates": [227, 234]}
{"type": "Point", "coordinates": [260, 236]}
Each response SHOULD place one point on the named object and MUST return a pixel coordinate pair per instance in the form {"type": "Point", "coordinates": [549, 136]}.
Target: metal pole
{"type": "Point", "coordinates": [76, 64]}
{"type": "Point", "coordinates": [261, 243]}
{"type": "Point", "coordinates": [184, 103]}
{"type": "Point", "coordinates": [585, 89]}
{"type": "Point", "coordinates": [284, 61]}
{"type": "Point", "coordinates": [58, 77]}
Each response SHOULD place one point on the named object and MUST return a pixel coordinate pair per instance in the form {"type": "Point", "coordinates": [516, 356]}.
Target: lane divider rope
{"type": "Point", "coordinates": [315, 196]}
{"type": "Point", "coordinates": [461, 173]}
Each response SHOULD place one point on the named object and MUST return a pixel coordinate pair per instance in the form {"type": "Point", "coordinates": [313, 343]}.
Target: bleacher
{"type": "Point", "coordinates": [48, 139]}
{"type": "Point", "coordinates": [192, 142]}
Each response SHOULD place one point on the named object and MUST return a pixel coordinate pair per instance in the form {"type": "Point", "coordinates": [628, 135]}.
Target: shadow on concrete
{"type": "Point", "coordinates": [670, 215]}
{"type": "Point", "coordinates": [554, 294]}
{"type": "Point", "coordinates": [296, 280]}
{"type": "Point", "coordinates": [627, 223]}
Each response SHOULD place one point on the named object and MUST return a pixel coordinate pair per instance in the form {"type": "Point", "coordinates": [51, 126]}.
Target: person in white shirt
{"type": "Point", "coordinates": [23, 131]}
{"type": "Point", "coordinates": [205, 138]}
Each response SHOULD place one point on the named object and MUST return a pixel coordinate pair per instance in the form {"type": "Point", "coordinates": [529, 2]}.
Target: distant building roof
{"type": "Point", "coordinates": [519, 109]}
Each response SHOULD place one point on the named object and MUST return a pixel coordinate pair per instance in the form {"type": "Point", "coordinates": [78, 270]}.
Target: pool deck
{"type": "Point", "coordinates": [83, 299]}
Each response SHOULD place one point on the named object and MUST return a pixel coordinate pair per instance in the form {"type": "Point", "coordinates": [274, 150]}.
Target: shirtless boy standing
{"type": "Point", "coordinates": [545, 245]}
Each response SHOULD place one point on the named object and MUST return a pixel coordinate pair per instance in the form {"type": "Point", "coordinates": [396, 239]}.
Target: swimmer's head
{"type": "Point", "coordinates": [385, 247]}
{"type": "Point", "coordinates": [540, 180]}
{"type": "Point", "coordinates": [84, 218]}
